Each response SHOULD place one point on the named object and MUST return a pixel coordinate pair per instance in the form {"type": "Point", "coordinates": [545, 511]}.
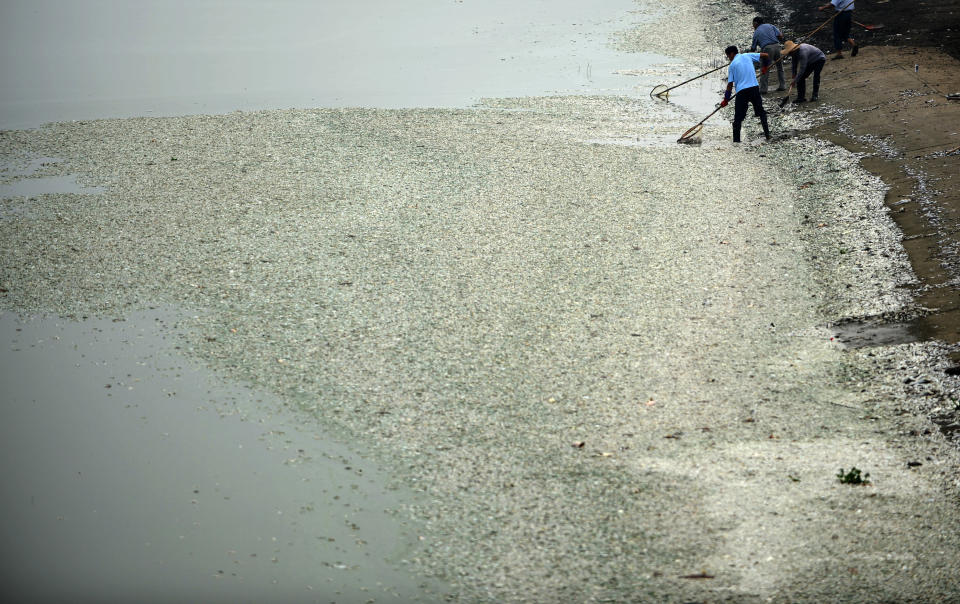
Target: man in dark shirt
{"type": "Point", "coordinates": [807, 59]}
{"type": "Point", "coordinates": [767, 38]}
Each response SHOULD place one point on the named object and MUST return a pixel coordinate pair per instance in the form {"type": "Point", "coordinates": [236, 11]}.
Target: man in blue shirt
{"type": "Point", "coordinates": [767, 38]}
{"type": "Point", "coordinates": [841, 26]}
{"type": "Point", "coordinates": [741, 73]}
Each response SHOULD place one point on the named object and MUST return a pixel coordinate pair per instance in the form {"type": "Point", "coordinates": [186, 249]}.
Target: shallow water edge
{"type": "Point", "coordinates": [132, 470]}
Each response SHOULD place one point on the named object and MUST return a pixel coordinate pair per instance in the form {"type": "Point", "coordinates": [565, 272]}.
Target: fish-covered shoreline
{"type": "Point", "coordinates": [564, 345]}
{"type": "Point", "coordinates": [605, 362]}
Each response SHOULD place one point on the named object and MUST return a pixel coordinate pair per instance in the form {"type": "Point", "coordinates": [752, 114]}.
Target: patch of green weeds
{"type": "Point", "coordinates": [853, 476]}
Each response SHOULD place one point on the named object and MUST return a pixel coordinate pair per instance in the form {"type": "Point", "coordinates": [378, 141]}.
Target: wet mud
{"type": "Point", "coordinates": [933, 24]}
{"type": "Point", "coordinates": [907, 131]}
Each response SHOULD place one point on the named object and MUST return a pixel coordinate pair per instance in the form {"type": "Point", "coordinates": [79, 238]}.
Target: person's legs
{"type": "Point", "coordinates": [837, 40]}
{"type": "Point", "coordinates": [802, 86]}
{"type": "Point", "coordinates": [774, 51]}
{"type": "Point", "coordinates": [740, 103]}
{"type": "Point", "coordinates": [759, 111]}
{"type": "Point", "coordinates": [817, 68]}
{"type": "Point", "coordinates": [781, 79]}
{"type": "Point", "coordinates": [841, 32]}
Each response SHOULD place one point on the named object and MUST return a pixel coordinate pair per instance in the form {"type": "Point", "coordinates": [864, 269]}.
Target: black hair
{"type": "Point", "coordinates": [731, 49]}
{"type": "Point", "coordinates": [758, 20]}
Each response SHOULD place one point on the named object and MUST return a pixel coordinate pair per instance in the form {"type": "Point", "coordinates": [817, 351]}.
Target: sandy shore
{"type": "Point", "coordinates": [605, 360]}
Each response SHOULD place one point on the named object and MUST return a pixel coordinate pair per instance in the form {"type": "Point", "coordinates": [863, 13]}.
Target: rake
{"type": "Point", "coordinates": [869, 27]}
{"type": "Point", "coordinates": [786, 98]}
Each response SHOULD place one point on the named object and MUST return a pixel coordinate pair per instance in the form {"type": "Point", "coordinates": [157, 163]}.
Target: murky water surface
{"type": "Point", "coordinates": [27, 180]}
{"type": "Point", "coordinates": [67, 59]}
{"type": "Point", "coordinates": [131, 472]}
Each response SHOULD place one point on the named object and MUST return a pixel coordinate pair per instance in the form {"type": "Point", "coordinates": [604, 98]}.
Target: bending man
{"type": "Point", "coordinates": [741, 73]}
{"type": "Point", "coordinates": [807, 59]}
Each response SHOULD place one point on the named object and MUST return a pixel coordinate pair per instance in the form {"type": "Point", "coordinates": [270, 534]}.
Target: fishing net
{"type": "Point", "coordinates": [660, 90]}
{"type": "Point", "coordinates": [693, 136]}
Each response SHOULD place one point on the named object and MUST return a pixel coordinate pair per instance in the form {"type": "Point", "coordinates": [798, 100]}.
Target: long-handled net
{"type": "Point", "coordinates": [663, 91]}
{"type": "Point", "coordinates": [693, 135]}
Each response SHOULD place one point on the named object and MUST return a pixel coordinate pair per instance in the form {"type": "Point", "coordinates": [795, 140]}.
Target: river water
{"type": "Point", "coordinates": [64, 60]}
{"type": "Point", "coordinates": [131, 471]}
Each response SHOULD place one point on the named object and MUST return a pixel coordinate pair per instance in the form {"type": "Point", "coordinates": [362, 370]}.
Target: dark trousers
{"type": "Point", "coordinates": [841, 28]}
{"type": "Point", "coordinates": [740, 102]}
{"type": "Point", "coordinates": [815, 68]}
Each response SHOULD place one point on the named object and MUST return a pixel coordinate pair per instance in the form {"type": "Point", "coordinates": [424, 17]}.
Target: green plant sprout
{"type": "Point", "coordinates": [853, 477]}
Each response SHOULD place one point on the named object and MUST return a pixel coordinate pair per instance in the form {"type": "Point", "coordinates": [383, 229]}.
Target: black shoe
{"type": "Point", "coordinates": [799, 100]}
{"type": "Point", "coordinates": [856, 49]}
{"type": "Point", "coordinates": [814, 98]}
{"type": "Point", "coordinates": [837, 57]}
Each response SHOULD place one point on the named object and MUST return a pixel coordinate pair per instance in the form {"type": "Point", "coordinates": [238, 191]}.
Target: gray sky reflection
{"type": "Point", "coordinates": [63, 59]}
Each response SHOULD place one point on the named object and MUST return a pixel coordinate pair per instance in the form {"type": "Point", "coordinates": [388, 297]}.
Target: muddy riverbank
{"type": "Point", "coordinates": [890, 104]}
